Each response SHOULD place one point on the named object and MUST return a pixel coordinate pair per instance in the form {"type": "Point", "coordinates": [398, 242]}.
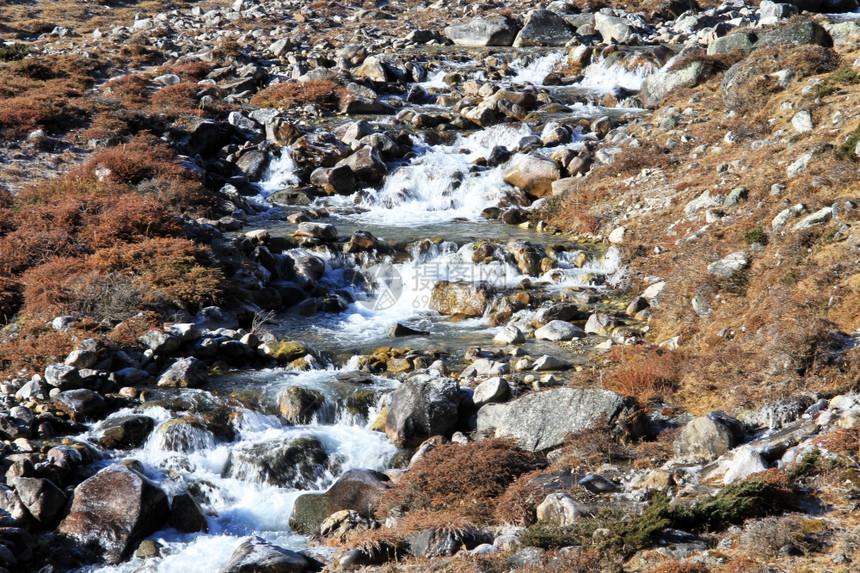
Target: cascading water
{"type": "Point", "coordinates": [248, 468]}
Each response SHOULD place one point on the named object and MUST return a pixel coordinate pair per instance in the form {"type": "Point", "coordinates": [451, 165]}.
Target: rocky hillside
{"type": "Point", "coordinates": [691, 405]}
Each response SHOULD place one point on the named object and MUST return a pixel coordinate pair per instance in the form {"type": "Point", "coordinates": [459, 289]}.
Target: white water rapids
{"type": "Point", "coordinates": [436, 187]}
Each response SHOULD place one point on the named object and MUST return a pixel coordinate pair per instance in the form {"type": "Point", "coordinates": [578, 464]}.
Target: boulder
{"type": "Point", "coordinates": [460, 298]}
{"type": "Point", "coordinates": [334, 180]}
{"type": "Point", "coordinates": [358, 490]}
{"type": "Point", "coordinates": [421, 407]}
{"type": "Point", "coordinates": [318, 150]}
{"type": "Point", "coordinates": [366, 163]}
{"type": "Point", "coordinates": [160, 342]}
{"type": "Point", "coordinates": [561, 509]}
{"type": "Point", "coordinates": [672, 76]}
{"type": "Point", "coordinates": [42, 498]}
{"type": "Point", "coordinates": [189, 372]}
{"type": "Point", "coordinates": [253, 164]}
{"type": "Point", "coordinates": [543, 28]}
{"type": "Point", "coordinates": [81, 405]}
{"type": "Point", "coordinates": [730, 265]}
{"type": "Point", "coordinates": [541, 420]}
{"type": "Point", "coordinates": [738, 42]}
{"type": "Point", "coordinates": [62, 376]}
{"type": "Point", "coordinates": [12, 510]}
{"type": "Point", "coordinates": [292, 463]}
{"type": "Point", "coordinates": [112, 511]}
{"type": "Point", "coordinates": [298, 404]}
{"type": "Point", "coordinates": [707, 437]}
{"type": "Point", "coordinates": [796, 34]}
{"type": "Point", "coordinates": [509, 335]}
{"type": "Point", "coordinates": [614, 29]}
{"type": "Point", "coordinates": [559, 311]}
{"type": "Point", "coordinates": [215, 317]}
{"type": "Point", "coordinates": [258, 556]}
{"type": "Point", "coordinates": [534, 175]}
{"type": "Point", "coordinates": [492, 30]}
{"type": "Point", "coordinates": [489, 391]}
{"type": "Point", "coordinates": [547, 362]}
{"type": "Point", "coordinates": [124, 432]}
{"type": "Point", "coordinates": [526, 256]}
{"type": "Point", "coordinates": [283, 351]}
{"type": "Point", "coordinates": [600, 324]}
{"type": "Point", "coordinates": [186, 515]}
{"type": "Point", "coordinates": [557, 330]}
{"type": "Point", "coordinates": [318, 231]}
{"type": "Point", "coordinates": [343, 525]}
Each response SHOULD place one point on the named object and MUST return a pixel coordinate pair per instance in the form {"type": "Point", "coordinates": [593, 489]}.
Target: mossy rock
{"type": "Point", "coordinates": [284, 351]}
{"type": "Point", "coordinates": [360, 403]}
{"type": "Point", "coordinates": [298, 404]}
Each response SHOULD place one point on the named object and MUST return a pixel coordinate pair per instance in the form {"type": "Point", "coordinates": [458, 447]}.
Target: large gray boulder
{"type": "Point", "coordinates": [296, 463]}
{"type": "Point", "coordinates": [544, 28]}
{"type": "Point", "coordinates": [258, 556]}
{"type": "Point", "coordinates": [421, 407]}
{"type": "Point", "coordinates": [82, 405]}
{"type": "Point", "coordinates": [679, 72]}
{"type": "Point", "coordinates": [614, 29]}
{"type": "Point", "coordinates": [492, 30]}
{"type": "Point", "coordinates": [796, 35]}
{"type": "Point", "coordinates": [541, 420]}
{"type": "Point", "coordinates": [358, 490]}
{"type": "Point", "coordinates": [42, 498]}
{"type": "Point", "coordinates": [189, 372]}
{"type": "Point", "coordinates": [708, 437]}
{"type": "Point", "coordinates": [534, 175]}
{"type": "Point", "coordinates": [111, 511]}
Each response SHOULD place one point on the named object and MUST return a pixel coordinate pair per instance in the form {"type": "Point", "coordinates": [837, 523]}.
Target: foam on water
{"type": "Point", "coordinates": [603, 77]}
{"type": "Point", "coordinates": [534, 70]}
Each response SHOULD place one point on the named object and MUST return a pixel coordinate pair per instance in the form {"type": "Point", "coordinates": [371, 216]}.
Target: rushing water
{"type": "Point", "coordinates": [437, 194]}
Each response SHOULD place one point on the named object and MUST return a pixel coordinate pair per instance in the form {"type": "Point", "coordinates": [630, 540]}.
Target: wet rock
{"type": "Point", "coordinates": [281, 132]}
{"type": "Point", "coordinates": [543, 28]}
{"type": "Point", "coordinates": [81, 405]}
{"type": "Point", "coordinates": [707, 437]}
{"type": "Point", "coordinates": [187, 372]}
{"type": "Point", "coordinates": [526, 256]}
{"type": "Point", "coordinates": [490, 391]}
{"type": "Point", "coordinates": [258, 556]}
{"type": "Point", "coordinates": [534, 175]}
{"type": "Point", "coordinates": [596, 483]}
{"type": "Point", "coordinates": [557, 330]}
{"type": "Point", "coordinates": [253, 164]}
{"type": "Point", "coordinates": [541, 420]}
{"type": "Point", "coordinates": [292, 463]}
{"type": "Point", "coordinates": [492, 30]}
{"type": "Point", "coordinates": [112, 511]}
{"type": "Point", "coordinates": [19, 423]}
{"type": "Point", "coordinates": [308, 268]}
{"type": "Point", "coordinates": [160, 342]}
{"type": "Point", "coordinates": [319, 231]}
{"type": "Point", "coordinates": [283, 351]}
{"type": "Point", "coordinates": [298, 404]}
{"type": "Point", "coordinates": [401, 330]}
{"type": "Point", "coordinates": [357, 105]}
{"type": "Point", "coordinates": [366, 163]}
{"type": "Point", "coordinates": [334, 180]}
{"type": "Point", "coordinates": [421, 407]}
{"type": "Point", "coordinates": [186, 515]}
{"type": "Point", "coordinates": [561, 509]}
{"type": "Point", "coordinates": [42, 498]}
{"type": "Point", "coordinates": [463, 299]}
{"type": "Point", "coordinates": [357, 489]}
{"type": "Point", "coordinates": [124, 432]}
{"type": "Point", "coordinates": [318, 150]}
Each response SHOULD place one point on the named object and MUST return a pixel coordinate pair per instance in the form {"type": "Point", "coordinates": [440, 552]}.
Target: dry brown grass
{"type": "Point", "coordinates": [324, 94]}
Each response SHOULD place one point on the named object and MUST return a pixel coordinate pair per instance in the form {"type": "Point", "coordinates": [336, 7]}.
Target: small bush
{"type": "Point", "coordinates": [756, 235]}
{"type": "Point", "coordinates": [648, 377]}
{"type": "Point", "coordinates": [324, 94]}
{"type": "Point", "coordinates": [768, 535]}
{"type": "Point", "coordinates": [13, 52]}
{"type": "Point", "coordinates": [467, 477]}
{"type": "Point", "coordinates": [845, 151]}
{"type": "Point", "coordinates": [679, 567]}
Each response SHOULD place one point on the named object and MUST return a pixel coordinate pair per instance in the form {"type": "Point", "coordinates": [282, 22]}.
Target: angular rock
{"type": "Point", "coordinates": [187, 372]}
{"type": "Point", "coordinates": [160, 342]}
{"type": "Point", "coordinates": [657, 86]}
{"type": "Point", "coordinates": [81, 405]}
{"type": "Point", "coordinates": [614, 29]}
{"type": "Point", "coordinates": [253, 164]}
{"type": "Point", "coordinates": [491, 30]}
{"type": "Point", "coordinates": [186, 515]}
{"type": "Point", "coordinates": [600, 324]}
{"type": "Point", "coordinates": [343, 525]}
{"type": "Point", "coordinates": [527, 257]}
{"type": "Point", "coordinates": [283, 351]}
{"type": "Point", "coordinates": [214, 317]}
{"type": "Point", "coordinates": [541, 420]}
{"type": "Point", "coordinates": [12, 511]}
{"type": "Point", "coordinates": [366, 163]}
{"type": "Point", "coordinates": [421, 407]}
{"type": "Point", "coordinates": [357, 489]}
{"type": "Point", "coordinates": [44, 500]}
{"type": "Point", "coordinates": [543, 28]}
{"type": "Point", "coordinates": [319, 231]}
{"type": "Point", "coordinates": [334, 180]}
{"type": "Point", "coordinates": [124, 432]}
{"type": "Point", "coordinates": [738, 42]}
{"type": "Point", "coordinates": [459, 298]}
{"type": "Point", "coordinates": [730, 265]}
{"type": "Point", "coordinates": [534, 175]}
{"type": "Point", "coordinates": [298, 404]}
{"type": "Point", "coordinates": [112, 511]}
{"type": "Point", "coordinates": [62, 376]}
{"type": "Point", "coordinates": [796, 34]}
{"type": "Point", "coordinates": [291, 463]}
{"type": "Point", "coordinates": [510, 335]}
{"type": "Point", "coordinates": [547, 362]}
{"type": "Point", "coordinates": [258, 556]}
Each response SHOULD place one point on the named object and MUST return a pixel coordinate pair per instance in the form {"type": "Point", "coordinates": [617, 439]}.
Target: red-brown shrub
{"type": "Point", "coordinates": [647, 377]}
{"type": "Point", "coordinates": [324, 94]}
{"type": "Point", "coordinates": [466, 477]}
{"type": "Point", "coordinates": [11, 298]}
{"type": "Point", "coordinates": [33, 346]}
